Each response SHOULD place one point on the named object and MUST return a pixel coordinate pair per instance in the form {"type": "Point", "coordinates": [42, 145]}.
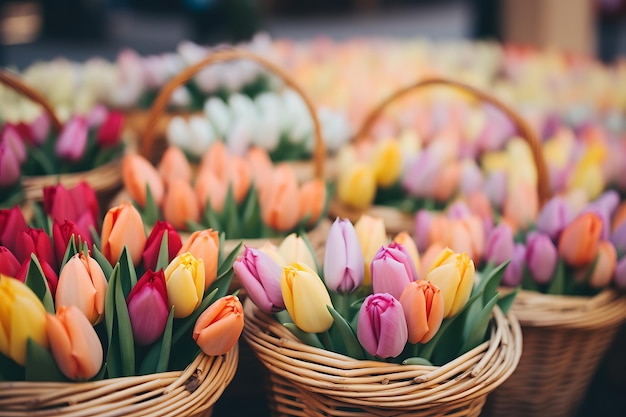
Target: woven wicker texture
{"type": "Point", "coordinates": [188, 393]}
{"type": "Point", "coordinates": [565, 338]}
{"type": "Point", "coordinates": [306, 381]}
{"type": "Point", "coordinates": [396, 220]}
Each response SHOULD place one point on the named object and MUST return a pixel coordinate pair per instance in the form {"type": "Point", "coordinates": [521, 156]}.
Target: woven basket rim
{"type": "Point", "coordinates": [380, 384]}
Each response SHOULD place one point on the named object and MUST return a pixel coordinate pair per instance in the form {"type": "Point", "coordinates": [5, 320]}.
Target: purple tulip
{"type": "Point", "coordinates": [40, 128]}
{"type": "Point", "coordinates": [72, 141]}
{"type": "Point", "coordinates": [471, 177]}
{"type": "Point", "coordinates": [392, 270]}
{"type": "Point", "coordinates": [497, 130]}
{"type": "Point", "coordinates": [423, 220]}
{"type": "Point", "coordinates": [559, 178]}
{"type": "Point", "coordinates": [500, 244]}
{"type": "Point", "coordinates": [11, 138]}
{"type": "Point", "coordinates": [459, 210]}
{"type": "Point", "coordinates": [541, 257]}
{"type": "Point", "coordinates": [10, 170]}
{"type": "Point", "coordinates": [514, 271]}
{"type": "Point", "coordinates": [495, 188]}
{"type": "Point", "coordinates": [147, 307]}
{"type": "Point", "coordinates": [608, 200]}
{"type": "Point", "coordinates": [343, 259]}
{"type": "Point", "coordinates": [260, 276]}
{"type": "Point", "coordinates": [618, 238]}
{"type": "Point", "coordinates": [382, 328]}
{"type": "Point", "coordinates": [620, 274]}
{"type": "Point", "coordinates": [554, 216]}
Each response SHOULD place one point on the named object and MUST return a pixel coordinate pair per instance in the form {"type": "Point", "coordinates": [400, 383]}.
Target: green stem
{"type": "Point", "coordinates": [327, 341]}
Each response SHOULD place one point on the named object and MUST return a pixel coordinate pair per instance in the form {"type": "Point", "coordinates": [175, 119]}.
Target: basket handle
{"type": "Point", "coordinates": [19, 86]}
{"type": "Point", "coordinates": [523, 128]}
{"type": "Point", "coordinates": [230, 54]}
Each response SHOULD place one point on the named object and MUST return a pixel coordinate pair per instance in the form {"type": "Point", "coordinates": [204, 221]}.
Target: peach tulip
{"type": "Point", "coordinates": [605, 266]}
{"type": "Point", "coordinates": [422, 303]}
{"type": "Point", "coordinates": [218, 328]}
{"type": "Point", "coordinates": [180, 204]}
{"type": "Point", "coordinates": [123, 226]}
{"type": "Point", "coordinates": [521, 206]}
{"type": "Point", "coordinates": [240, 178]}
{"type": "Point", "coordinates": [205, 245]}
{"type": "Point", "coordinates": [216, 160]}
{"type": "Point", "coordinates": [74, 343]}
{"type": "Point", "coordinates": [312, 197]}
{"type": "Point", "coordinates": [280, 205]}
{"type": "Point", "coordinates": [260, 166]}
{"type": "Point", "coordinates": [174, 165]}
{"type": "Point", "coordinates": [447, 182]}
{"type": "Point", "coordinates": [580, 240]}
{"type": "Point", "coordinates": [138, 173]}
{"type": "Point", "coordinates": [209, 188]}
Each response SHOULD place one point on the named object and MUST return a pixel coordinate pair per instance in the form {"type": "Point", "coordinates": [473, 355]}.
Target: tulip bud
{"type": "Point", "coordinates": [382, 328]}
{"type": "Point", "coordinates": [605, 265]}
{"type": "Point", "coordinates": [153, 244]}
{"type": "Point", "coordinates": [82, 283]}
{"type": "Point", "coordinates": [10, 138]}
{"type": "Point", "coordinates": [454, 275]}
{"type": "Point", "coordinates": [260, 276]}
{"type": "Point", "coordinates": [555, 215]}
{"type": "Point", "coordinates": [495, 188]}
{"type": "Point", "coordinates": [22, 317]}
{"type": "Point", "coordinates": [372, 235]}
{"type": "Point", "coordinates": [541, 257]}
{"type": "Point", "coordinates": [184, 278]}
{"type": "Point", "coordinates": [521, 205]}
{"type": "Point", "coordinates": [110, 131]}
{"type": "Point", "coordinates": [271, 250]}
{"type": "Point", "coordinates": [423, 221]}
{"type": "Point", "coordinates": [123, 226]}
{"type": "Point", "coordinates": [421, 175]}
{"type": "Point", "coordinates": [280, 206]}
{"type": "Point", "coordinates": [180, 204]}
{"type": "Point", "coordinates": [9, 265]}
{"type": "Point", "coordinates": [74, 343]}
{"type": "Point", "coordinates": [49, 274]}
{"type": "Point", "coordinates": [63, 232]}
{"type": "Point", "coordinates": [38, 242]}
{"type": "Point", "coordinates": [10, 170]}
{"type": "Point", "coordinates": [138, 175]}
{"type": "Point", "coordinates": [422, 303]}
{"type": "Point", "coordinates": [387, 162]}
{"type": "Point", "coordinates": [579, 241]}
{"type": "Point", "coordinates": [147, 307]}
{"type": "Point", "coordinates": [40, 128]}
{"type": "Point", "coordinates": [306, 298]}
{"type": "Point", "coordinates": [392, 270]}
{"type": "Point", "coordinates": [174, 166]}
{"type": "Point", "coordinates": [500, 245]}
{"type": "Point", "coordinates": [72, 140]}
{"type": "Point", "coordinates": [407, 242]}
{"type": "Point", "coordinates": [204, 245]}
{"type": "Point", "coordinates": [201, 133]}
{"type": "Point", "coordinates": [218, 328]}
{"type": "Point", "coordinates": [312, 197]}
{"type": "Point", "coordinates": [514, 272]}
{"type": "Point", "coordinates": [294, 249]}
{"type": "Point", "coordinates": [356, 186]}
{"type": "Point", "coordinates": [343, 258]}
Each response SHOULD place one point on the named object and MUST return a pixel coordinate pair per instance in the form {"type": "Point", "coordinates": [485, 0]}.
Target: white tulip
{"type": "Point", "coordinates": [336, 130]}
{"type": "Point", "coordinates": [208, 79]}
{"type": "Point", "coordinates": [180, 97]}
{"type": "Point", "coordinates": [239, 138]}
{"type": "Point", "coordinates": [232, 77]}
{"type": "Point", "coordinates": [202, 135]}
{"type": "Point", "coordinates": [219, 114]}
{"type": "Point", "coordinates": [268, 132]}
{"type": "Point", "coordinates": [179, 134]}
{"type": "Point", "coordinates": [191, 52]}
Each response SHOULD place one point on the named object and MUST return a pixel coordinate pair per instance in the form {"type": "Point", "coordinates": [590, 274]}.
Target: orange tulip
{"type": "Point", "coordinates": [240, 178]}
{"type": "Point", "coordinates": [210, 188]}
{"type": "Point", "coordinates": [312, 200]}
{"type": "Point", "coordinates": [216, 160]}
{"type": "Point", "coordinates": [605, 267]}
{"type": "Point", "coordinates": [280, 205]}
{"type": "Point", "coordinates": [618, 217]}
{"type": "Point", "coordinates": [82, 284]}
{"type": "Point", "coordinates": [422, 303]}
{"type": "Point", "coordinates": [74, 343]}
{"type": "Point", "coordinates": [174, 165]}
{"type": "Point", "coordinates": [218, 328]}
{"type": "Point", "coordinates": [580, 240]}
{"type": "Point", "coordinates": [205, 245]}
{"type": "Point", "coordinates": [138, 173]}
{"type": "Point", "coordinates": [440, 230]}
{"type": "Point", "coordinates": [260, 166]}
{"type": "Point", "coordinates": [123, 226]}
{"type": "Point", "coordinates": [180, 204]}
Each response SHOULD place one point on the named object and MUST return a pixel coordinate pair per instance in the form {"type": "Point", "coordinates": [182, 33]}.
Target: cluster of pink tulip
{"type": "Point", "coordinates": [83, 292]}
{"type": "Point", "coordinates": [371, 297]}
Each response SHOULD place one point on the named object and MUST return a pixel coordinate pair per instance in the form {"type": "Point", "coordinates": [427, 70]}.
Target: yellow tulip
{"type": "Point", "coordinates": [454, 275]}
{"type": "Point", "coordinates": [271, 250]}
{"type": "Point", "coordinates": [294, 249]}
{"type": "Point", "coordinates": [372, 235]}
{"type": "Point", "coordinates": [356, 186]}
{"type": "Point", "coordinates": [387, 162]}
{"type": "Point", "coordinates": [22, 317]}
{"type": "Point", "coordinates": [408, 243]}
{"type": "Point", "coordinates": [306, 298]}
{"type": "Point", "coordinates": [184, 278]}
{"type": "Point", "coordinates": [523, 169]}
{"type": "Point", "coordinates": [588, 176]}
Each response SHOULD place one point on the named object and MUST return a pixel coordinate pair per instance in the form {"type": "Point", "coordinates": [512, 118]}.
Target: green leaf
{"type": "Point", "coordinates": [70, 251]}
{"type": "Point", "coordinates": [151, 210]}
{"type": "Point", "coordinates": [113, 360]}
{"type": "Point", "coordinates": [102, 261]}
{"type": "Point", "coordinates": [210, 217]}
{"type": "Point", "coordinates": [310, 339]}
{"type": "Point", "coordinates": [475, 330]}
{"type": "Point", "coordinates": [128, 275]}
{"type": "Point", "coordinates": [194, 226]}
{"type": "Point", "coordinates": [10, 370]}
{"type": "Point", "coordinates": [528, 283]}
{"type": "Point", "coordinates": [185, 325]}
{"type": "Point", "coordinates": [40, 364]}
{"type": "Point", "coordinates": [41, 218]}
{"type": "Point", "coordinates": [557, 284]}
{"type": "Point", "coordinates": [164, 254]}
{"type": "Point", "coordinates": [231, 221]}
{"type": "Point", "coordinates": [251, 217]}
{"type": "Point", "coordinates": [352, 345]}
{"type": "Point", "coordinates": [416, 361]}
{"type": "Point", "coordinates": [283, 317]}
{"type": "Point", "coordinates": [157, 357]}
{"type": "Point", "coordinates": [126, 341]}
{"type": "Point", "coordinates": [506, 301]}
{"type": "Point", "coordinates": [227, 264]}
{"type": "Point", "coordinates": [41, 158]}
{"type": "Point", "coordinates": [36, 281]}
{"type": "Point", "coordinates": [492, 282]}
{"type": "Point", "coordinates": [306, 240]}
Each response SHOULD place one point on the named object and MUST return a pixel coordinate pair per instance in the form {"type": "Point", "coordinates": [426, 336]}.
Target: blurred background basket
{"type": "Point", "coordinates": [307, 381]}
{"type": "Point", "coordinates": [188, 393]}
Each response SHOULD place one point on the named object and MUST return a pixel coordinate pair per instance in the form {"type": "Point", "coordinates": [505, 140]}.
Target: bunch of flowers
{"type": "Point", "coordinates": [83, 301]}
{"type": "Point", "coordinates": [33, 149]}
{"type": "Point", "coordinates": [368, 300]}
{"type": "Point", "coordinates": [243, 196]}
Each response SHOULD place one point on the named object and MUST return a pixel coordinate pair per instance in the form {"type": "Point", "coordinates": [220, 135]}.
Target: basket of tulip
{"type": "Point", "coordinates": [363, 335]}
{"type": "Point", "coordinates": [114, 322]}
{"type": "Point", "coordinates": [393, 178]}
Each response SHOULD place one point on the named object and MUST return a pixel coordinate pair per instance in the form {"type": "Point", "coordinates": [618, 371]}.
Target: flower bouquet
{"type": "Point", "coordinates": [43, 152]}
{"type": "Point", "coordinates": [365, 333]}
{"type": "Point", "coordinates": [104, 319]}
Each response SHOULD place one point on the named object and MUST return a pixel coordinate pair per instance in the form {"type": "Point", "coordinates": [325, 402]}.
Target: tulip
{"type": "Point", "coordinates": [219, 113]}
{"type": "Point", "coordinates": [514, 272]}
{"type": "Point", "coordinates": [555, 215]}
{"type": "Point", "coordinates": [579, 241]}
{"type": "Point", "coordinates": [356, 186]}
{"type": "Point", "coordinates": [421, 175]}
{"type": "Point", "coordinates": [10, 138]}
{"type": "Point", "coordinates": [147, 307]}
{"type": "Point", "coordinates": [605, 266]}
{"type": "Point", "coordinates": [110, 131]}
{"type": "Point", "coordinates": [423, 221]}
{"type": "Point", "coordinates": [430, 255]}
{"type": "Point", "coordinates": [9, 264]}
{"type": "Point", "coordinates": [618, 237]}
{"type": "Point", "coordinates": [178, 134]}
{"type": "Point", "coordinates": [22, 317]}
{"type": "Point", "coordinates": [271, 250]}
{"type": "Point", "coordinates": [72, 140]}
{"type": "Point", "coordinates": [201, 135]}
{"type": "Point", "coordinates": [312, 198]}
{"type": "Point", "coordinates": [495, 188]}
{"type": "Point", "coordinates": [184, 278]}
{"type": "Point", "coordinates": [382, 328]}
{"type": "Point", "coordinates": [392, 270]}
{"type": "Point", "coordinates": [50, 274]}
{"type": "Point", "coordinates": [10, 170]}
{"type": "Point", "coordinates": [180, 204]}
{"type": "Point", "coordinates": [78, 204]}
{"type": "Point", "coordinates": [61, 235]}
{"type": "Point", "coordinates": [280, 206]}
{"type": "Point", "coordinates": [500, 245]}
{"type": "Point", "coordinates": [372, 235]}
{"type": "Point", "coordinates": [174, 166]}
{"type": "Point", "coordinates": [422, 303]}
{"type": "Point", "coordinates": [240, 178]}
{"type": "Point", "coordinates": [293, 249]}
{"type": "Point", "coordinates": [123, 226]}
{"type": "Point", "coordinates": [471, 178]}
{"type": "Point", "coordinates": [306, 298]}
{"type": "Point", "coordinates": [138, 175]}
{"type": "Point", "coordinates": [458, 210]}
{"type": "Point", "coordinates": [260, 276]}
{"type": "Point", "coordinates": [454, 275]}
{"type": "Point", "coordinates": [74, 343]}
{"type": "Point", "coordinates": [407, 242]}
{"type": "Point", "coordinates": [38, 242]}
{"type": "Point", "coordinates": [260, 166]}
{"type": "Point", "coordinates": [218, 328]}
{"type": "Point", "coordinates": [343, 258]}
{"type": "Point", "coordinates": [541, 257]}
{"type": "Point", "coordinates": [82, 283]}
{"type": "Point", "coordinates": [204, 245]}
{"type": "Point", "coordinates": [210, 188]}
{"type": "Point", "coordinates": [619, 217]}
{"type": "Point", "coordinates": [521, 205]}
{"type": "Point", "coordinates": [216, 160]}
{"type": "Point", "coordinates": [620, 274]}
{"type": "Point", "coordinates": [387, 162]}
{"type": "Point", "coordinates": [153, 244]}
{"type": "Point", "coordinates": [40, 128]}
{"type": "Point", "coordinates": [446, 183]}
{"type": "Point", "coordinates": [467, 235]}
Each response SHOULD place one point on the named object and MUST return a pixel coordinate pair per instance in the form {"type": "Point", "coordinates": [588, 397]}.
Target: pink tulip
{"type": "Point", "coordinates": [514, 271]}
{"type": "Point", "coordinates": [343, 258]}
{"type": "Point", "coordinates": [10, 170]}
{"type": "Point", "coordinates": [40, 128]}
{"type": "Point", "coordinates": [382, 328]}
{"type": "Point", "coordinates": [110, 131]}
{"type": "Point", "coordinates": [500, 245]}
{"type": "Point", "coordinates": [541, 257]}
{"type": "Point", "coordinates": [78, 204]}
{"type": "Point", "coordinates": [72, 140]}
{"type": "Point", "coordinates": [554, 216]}
{"type": "Point", "coordinates": [11, 139]}
{"type": "Point", "coordinates": [147, 307]}
{"type": "Point", "coordinates": [260, 276]}
{"type": "Point", "coordinates": [392, 270]}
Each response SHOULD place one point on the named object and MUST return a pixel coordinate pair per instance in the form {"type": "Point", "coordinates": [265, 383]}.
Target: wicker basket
{"type": "Point", "coordinates": [397, 220]}
{"type": "Point", "coordinates": [565, 339]}
{"type": "Point", "coordinates": [188, 393]}
{"type": "Point", "coordinates": [106, 179]}
{"type": "Point", "coordinates": [307, 381]}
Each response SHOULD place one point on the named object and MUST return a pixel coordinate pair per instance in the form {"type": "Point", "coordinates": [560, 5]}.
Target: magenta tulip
{"type": "Point", "coordinates": [78, 204]}
{"type": "Point", "coordinates": [382, 328]}
{"type": "Point", "coordinates": [147, 307]}
{"type": "Point", "coordinates": [343, 258]}
{"type": "Point", "coordinates": [392, 270]}
{"type": "Point", "coordinates": [40, 128]}
{"type": "Point", "coordinates": [10, 170]}
{"type": "Point", "coordinates": [72, 140]}
{"type": "Point", "coordinates": [500, 244]}
{"type": "Point", "coordinates": [554, 216]}
{"type": "Point", "coordinates": [423, 220]}
{"type": "Point", "coordinates": [11, 139]}
{"type": "Point", "coordinates": [541, 257]}
{"type": "Point", "coordinates": [153, 244]}
{"type": "Point", "coordinates": [12, 222]}
{"type": "Point", "coordinates": [9, 265]}
{"type": "Point", "coordinates": [514, 271]}
{"type": "Point", "coordinates": [38, 242]}
{"type": "Point", "coordinates": [110, 132]}
{"type": "Point", "coordinates": [260, 276]}
{"type": "Point", "coordinates": [63, 232]}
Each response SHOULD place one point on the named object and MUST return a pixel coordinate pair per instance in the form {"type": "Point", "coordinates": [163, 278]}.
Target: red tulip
{"type": "Point", "coordinates": [9, 265]}
{"type": "Point", "coordinates": [50, 274]}
{"type": "Point", "coordinates": [62, 233]}
{"type": "Point", "coordinates": [38, 242]}
{"type": "Point", "coordinates": [78, 204]}
{"type": "Point", "coordinates": [153, 244]}
{"type": "Point", "coordinates": [147, 307]}
{"type": "Point", "coordinates": [11, 223]}
{"type": "Point", "coordinates": [110, 132]}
